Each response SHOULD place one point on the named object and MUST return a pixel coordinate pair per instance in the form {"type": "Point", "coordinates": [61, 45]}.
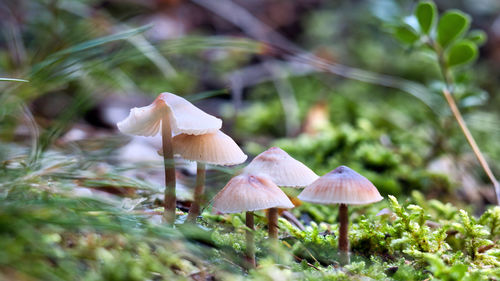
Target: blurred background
{"type": "Point", "coordinates": [324, 80]}
{"type": "Point", "coordinates": [254, 64]}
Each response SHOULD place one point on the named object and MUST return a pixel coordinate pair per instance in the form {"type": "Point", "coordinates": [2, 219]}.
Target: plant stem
{"type": "Point", "coordinates": [272, 217]}
{"type": "Point", "coordinates": [194, 210]}
{"type": "Point", "coordinates": [168, 162]}
{"type": "Point", "coordinates": [250, 255]}
{"type": "Point", "coordinates": [343, 238]}
{"type": "Point", "coordinates": [472, 142]}
{"type": "Point", "coordinates": [460, 120]}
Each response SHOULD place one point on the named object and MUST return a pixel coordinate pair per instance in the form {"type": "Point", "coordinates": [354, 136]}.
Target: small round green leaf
{"type": "Point", "coordinates": [406, 34]}
{"type": "Point", "coordinates": [426, 14]}
{"type": "Point", "coordinates": [452, 25]}
{"type": "Point", "coordinates": [461, 52]}
{"type": "Point", "coordinates": [477, 36]}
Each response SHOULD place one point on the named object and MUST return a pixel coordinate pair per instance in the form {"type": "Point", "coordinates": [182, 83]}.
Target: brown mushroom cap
{"type": "Point", "coordinates": [245, 193]}
{"type": "Point", "coordinates": [184, 118]}
{"type": "Point", "coordinates": [213, 148]}
{"type": "Point", "coordinates": [341, 186]}
{"type": "Point", "coordinates": [281, 168]}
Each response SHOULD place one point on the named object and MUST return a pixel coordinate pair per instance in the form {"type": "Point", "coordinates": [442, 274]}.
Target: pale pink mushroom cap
{"type": "Point", "coordinates": [246, 193]}
{"type": "Point", "coordinates": [281, 168]}
{"type": "Point", "coordinates": [212, 148]}
{"type": "Point", "coordinates": [341, 186]}
{"type": "Point", "coordinates": [185, 118]}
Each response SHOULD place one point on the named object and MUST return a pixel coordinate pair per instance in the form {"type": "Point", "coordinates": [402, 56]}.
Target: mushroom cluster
{"type": "Point", "coordinates": [257, 189]}
{"type": "Point", "coordinates": [283, 170]}
{"type": "Point", "coordinates": [195, 135]}
{"type": "Point", "coordinates": [188, 131]}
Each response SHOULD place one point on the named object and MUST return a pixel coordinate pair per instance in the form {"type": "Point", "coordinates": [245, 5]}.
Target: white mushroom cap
{"type": "Point", "coordinates": [341, 186]}
{"type": "Point", "coordinates": [184, 118]}
{"type": "Point", "coordinates": [247, 192]}
{"type": "Point", "coordinates": [213, 148]}
{"type": "Point", "coordinates": [281, 168]}
{"type": "Point", "coordinates": [142, 121]}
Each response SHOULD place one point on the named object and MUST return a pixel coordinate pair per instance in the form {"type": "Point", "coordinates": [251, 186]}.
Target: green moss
{"type": "Point", "coordinates": [57, 236]}
{"type": "Point", "coordinates": [392, 169]}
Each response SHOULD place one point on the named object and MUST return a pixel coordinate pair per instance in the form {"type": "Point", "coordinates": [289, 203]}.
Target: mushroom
{"type": "Point", "coordinates": [213, 148]}
{"type": "Point", "coordinates": [283, 170]}
{"type": "Point", "coordinates": [174, 115]}
{"type": "Point", "coordinates": [249, 193]}
{"type": "Point", "coordinates": [341, 186]}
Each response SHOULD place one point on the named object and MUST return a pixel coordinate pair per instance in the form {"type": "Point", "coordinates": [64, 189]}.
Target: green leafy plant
{"type": "Point", "coordinates": [454, 46]}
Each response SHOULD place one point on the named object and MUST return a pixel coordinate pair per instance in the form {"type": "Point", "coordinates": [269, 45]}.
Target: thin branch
{"type": "Point", "coordinates": [472, 142]}
{"type": "Point", "coordinates": [278, 44]}
{"type": "Point", "coordinates": [445, 71]}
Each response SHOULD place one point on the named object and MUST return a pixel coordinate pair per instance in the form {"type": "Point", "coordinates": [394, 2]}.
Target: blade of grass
{"type": "Point", "coordinates": [150, 51]}
{"type": "Point", "coordinates": [206, 95]}
{"type": "Point", "coordinates": [13, 80]}
{"type": "Point", "coordinates": [89, 45]}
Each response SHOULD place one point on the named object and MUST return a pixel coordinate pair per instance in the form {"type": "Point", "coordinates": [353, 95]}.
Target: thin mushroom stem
{"type": "Point", "coordinates": [272, 217]}
{"type": "Point", "coordinates": [343, 238]}
{"type": "Point", "coordinates": [168, 162]}
{"type": "Point", "coordinates": [250, 255]}
{"type": "Point", "coordinates": [194, 210]}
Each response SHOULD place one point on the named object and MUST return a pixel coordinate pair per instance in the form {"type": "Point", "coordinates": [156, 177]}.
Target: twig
{"type": "Point", "coordinates": [472, 142]}
{"type": "Point", "coordinates": [259, 73]}
{"type": "Point", "coordinates": [299, 259]}
{"type": "Point", "coordinates": [291, 218]}
{"type": "Point", "coordinates": [278, 44]}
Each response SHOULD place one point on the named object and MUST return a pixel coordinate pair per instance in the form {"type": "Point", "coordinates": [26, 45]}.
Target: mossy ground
{"type": "Point", "coordinates": [74, 210]}
{"type": "Point", "coordinates": [51, 228]}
